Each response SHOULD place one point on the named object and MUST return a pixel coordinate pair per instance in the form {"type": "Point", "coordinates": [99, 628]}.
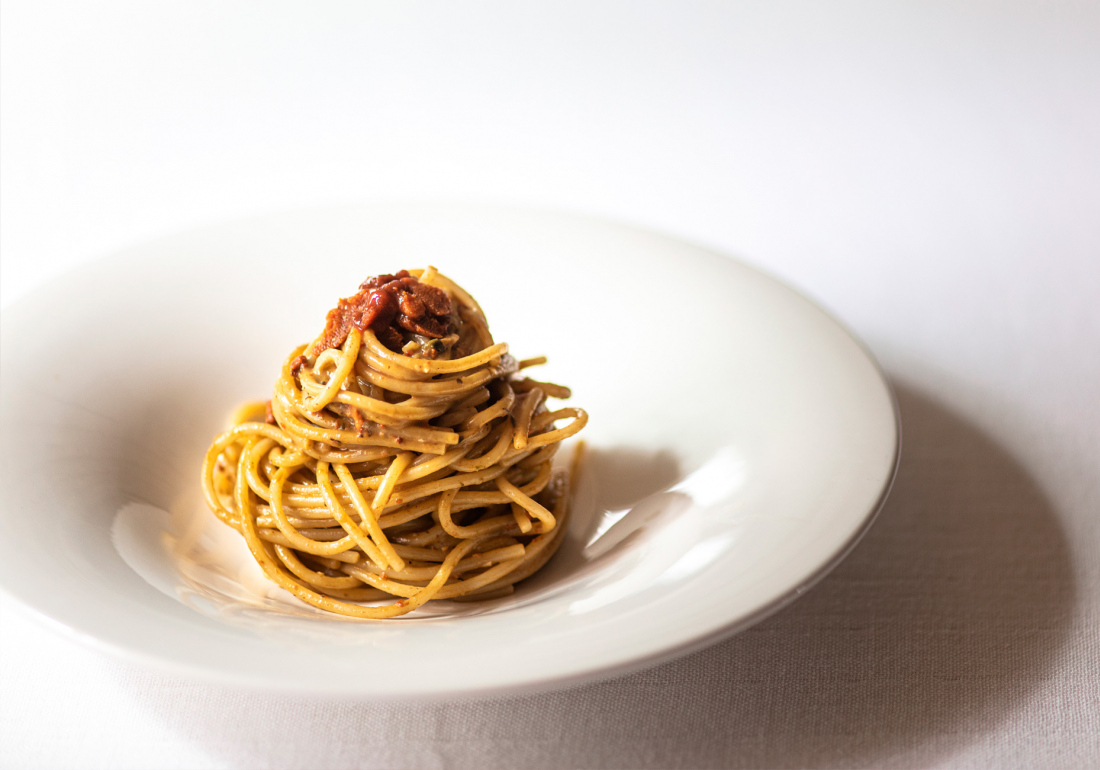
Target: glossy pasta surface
{"type": "Point", "coordinates": [384, 474]}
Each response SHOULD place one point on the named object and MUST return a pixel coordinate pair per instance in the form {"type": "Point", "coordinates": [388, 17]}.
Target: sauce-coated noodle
{"type": "Point", "coordinates": [402, 457]}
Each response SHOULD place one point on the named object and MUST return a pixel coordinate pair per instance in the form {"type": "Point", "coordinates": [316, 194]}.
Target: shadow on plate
{"type": "Point", "coordinates": [941, 622]}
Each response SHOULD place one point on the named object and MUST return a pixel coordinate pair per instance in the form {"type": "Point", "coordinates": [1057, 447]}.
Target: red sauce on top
{"type": "Point", "coordinates": [388, 304]}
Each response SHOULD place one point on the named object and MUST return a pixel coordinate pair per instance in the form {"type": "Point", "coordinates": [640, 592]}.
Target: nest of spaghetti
{"type": "Point", "coordinates": [404, 457]}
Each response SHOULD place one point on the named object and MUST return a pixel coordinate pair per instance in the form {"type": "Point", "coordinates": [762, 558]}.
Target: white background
{"type": "Point", "coordinates": [928, 171]}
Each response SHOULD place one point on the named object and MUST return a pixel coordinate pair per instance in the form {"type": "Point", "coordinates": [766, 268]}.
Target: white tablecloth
{"type": "Point", "coordinates": [930, 173]}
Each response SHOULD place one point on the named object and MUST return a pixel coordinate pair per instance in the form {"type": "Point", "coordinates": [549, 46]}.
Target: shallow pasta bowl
{"type": "Point", "coordinates": [740, 442]}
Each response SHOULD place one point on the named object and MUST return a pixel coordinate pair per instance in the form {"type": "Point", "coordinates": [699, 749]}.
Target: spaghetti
{"type": "Point", "coordinates": [402, 457]}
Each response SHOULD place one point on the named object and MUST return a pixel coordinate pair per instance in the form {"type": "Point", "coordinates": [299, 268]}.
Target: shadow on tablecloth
{"type": "Point", "coordinates": [936, 628]}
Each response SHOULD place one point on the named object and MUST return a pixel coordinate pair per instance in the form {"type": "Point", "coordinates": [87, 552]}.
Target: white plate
{"type": "Point", "coordinates": [741, 441]}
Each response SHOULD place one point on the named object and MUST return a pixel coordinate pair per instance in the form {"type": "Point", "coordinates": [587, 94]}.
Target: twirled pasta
{"type": "Point", "coordinates": [418, 473]}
